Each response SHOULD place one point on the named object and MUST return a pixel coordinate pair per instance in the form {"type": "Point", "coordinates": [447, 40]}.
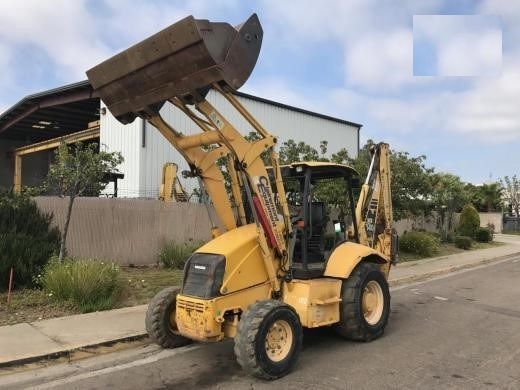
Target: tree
{"type": "Point", "coordinates": [491, 196]}
{"type": "Point", "coordinates": [79, 170]}
{"type": "Point", "coordinates": [290, 152]}
{"type": "Point", "coordinates": [362, 162]}
{"type": "Point", "coordinates": [487, 197]}
{"type": "Point", "coordinates": [469, 221]}
{"type": "Point", "coordinates": [410, 183]}
{"type": "Point", "coordinates": [252, 137]}
{"type": "Point", "coordinates": [448, 195]}
{"type": "Point", "coordinates": [323, 151]}
{"type": "Point", "coordinates": [341, 157]}
{"type": "Point", "coordinates": [512, 192]}
{"type": "Point", "coordinates": [330, 191]}
{"type": "Point", "coordinates": [474, 196]}
{"type": "Point", "coordinates": [27, 239]}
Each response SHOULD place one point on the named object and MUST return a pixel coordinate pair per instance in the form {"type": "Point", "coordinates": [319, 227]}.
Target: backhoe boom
{"type": "Point", "coordinates": [374, 213]}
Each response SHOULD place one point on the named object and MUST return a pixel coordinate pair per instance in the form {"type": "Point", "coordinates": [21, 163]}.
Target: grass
{"type": "Point", "coordinates": [514, 232]}
{"type": "Point", "coordinates": [90, 285]}
{"type": "Point", "coordinates": [139, 285]}
{"type": "Point", "coordinates": [174, 254]}
{"type": "Point", "coordinates": [446, 249]}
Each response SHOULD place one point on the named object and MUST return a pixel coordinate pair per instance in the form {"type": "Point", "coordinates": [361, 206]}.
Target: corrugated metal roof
{"type": "Point", "coordinates": [70, 108]}
{"type": "Point", "coordinates": [297, 109]}
{"type": "Point", "coordinates": [49, 114]}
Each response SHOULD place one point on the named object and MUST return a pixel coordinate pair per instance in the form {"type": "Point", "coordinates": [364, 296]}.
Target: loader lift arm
{"type": "Point", "coordinates": [181, 70]}
{"type": "Point", "coordinates": [247, 171]}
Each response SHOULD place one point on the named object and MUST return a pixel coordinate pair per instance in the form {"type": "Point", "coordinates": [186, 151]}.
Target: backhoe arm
{"type": "Point", "coordinates": [374, 214]}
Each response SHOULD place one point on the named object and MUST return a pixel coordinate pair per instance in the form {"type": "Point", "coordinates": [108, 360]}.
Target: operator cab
{"type": "Point", "coordinates": [321, 203]}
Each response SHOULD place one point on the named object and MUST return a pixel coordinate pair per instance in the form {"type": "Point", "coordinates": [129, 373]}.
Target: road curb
{"type": "Point", "coordinates": [392, 282]}
{"type": "Point", "coordinates": [68, 351]}
{"type": "Point", "coordinates": [447, 270]}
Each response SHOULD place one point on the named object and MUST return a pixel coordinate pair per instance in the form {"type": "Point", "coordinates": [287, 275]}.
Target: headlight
{"type": "Point", "coordinates": [203, 275]}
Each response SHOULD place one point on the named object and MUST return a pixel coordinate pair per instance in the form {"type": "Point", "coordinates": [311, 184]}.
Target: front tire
{"type": "Point", "coordinates": [160, 319]}
{"type": "Point", "coordinates": [269, 339]}
{"type": "Point", "coordinates": [365, 305]}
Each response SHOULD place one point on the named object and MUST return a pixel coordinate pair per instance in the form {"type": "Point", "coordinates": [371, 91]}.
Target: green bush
{"type": "Point", "coordinates": [483, 235]}
{"type": "Point", "coordinates": [421, 243]}
{"type": "Point", "coordinates": [469, 221]}
{"type": "Point", "coordinates": [463, 242]}
{"type": "Point", "coordinates": [174, 254]}
{"type": "Point", "coordinates": [27, 239]}
{"type": "Point", "coordinates": [450, 237]}
{"type": "Point", "coordinates": [491, 227]}
{"type": "Point", "coordinates": [436, 235]}
{"type": "Point", "coordinates": [90, 285]}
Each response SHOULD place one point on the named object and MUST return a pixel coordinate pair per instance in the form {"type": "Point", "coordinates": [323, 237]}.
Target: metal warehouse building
{"type": "Point", "coordinates": [34, 126]}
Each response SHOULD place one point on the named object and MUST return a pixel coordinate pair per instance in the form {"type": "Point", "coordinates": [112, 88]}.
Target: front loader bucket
{"type": "Point", "coordinates": [183, 60]}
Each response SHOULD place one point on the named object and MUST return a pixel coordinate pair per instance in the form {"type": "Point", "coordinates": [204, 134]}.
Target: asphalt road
{"type": "Point", "coordinates": [461, 331]}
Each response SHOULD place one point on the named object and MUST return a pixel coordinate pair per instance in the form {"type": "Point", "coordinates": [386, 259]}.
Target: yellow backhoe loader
{"type": "Point", "coordinates": [291, 249]}
{"type": "Point", "coordinates": [171, 188]}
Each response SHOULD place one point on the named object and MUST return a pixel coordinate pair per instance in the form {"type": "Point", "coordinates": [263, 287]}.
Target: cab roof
{"type": "Point", "coordinates": [319, 169]}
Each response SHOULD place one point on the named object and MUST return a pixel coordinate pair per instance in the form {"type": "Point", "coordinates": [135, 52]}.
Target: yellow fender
{"type": "Point", "coordinates": [348, 255]}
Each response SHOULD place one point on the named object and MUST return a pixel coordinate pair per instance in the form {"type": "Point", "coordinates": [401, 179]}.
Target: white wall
{"type": "Point", "coordinates": [127, 140]}
{"type": "Point", "coordinates": [290, 124]}
{"type": "Point", "coordinates": [143, 165]}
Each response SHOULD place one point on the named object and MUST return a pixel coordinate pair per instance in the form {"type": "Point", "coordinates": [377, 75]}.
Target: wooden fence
{"type": "Point", "coordinates": [133, 231]}
{"type": "Point", "coordinates": [126, 231]}
{"type": "Point", "coordinates": [429, 222]}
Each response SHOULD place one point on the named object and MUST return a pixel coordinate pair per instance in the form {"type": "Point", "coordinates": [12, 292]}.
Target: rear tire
{"type": "Point", "coordinates": [160, 319]}
{"type": "Point", "coordinates": [269, 339]}
{"type": "Point", "coordinates": [365, 305]}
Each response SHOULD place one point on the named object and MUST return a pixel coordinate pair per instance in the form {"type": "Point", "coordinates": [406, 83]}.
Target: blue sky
{"type": "Point", "coordinates": [439, 78]}
{"type": "Point", "coordinates": [457, 45]}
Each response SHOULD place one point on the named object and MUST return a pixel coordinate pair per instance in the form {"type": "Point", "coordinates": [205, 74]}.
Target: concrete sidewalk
{"type": "Point", "coordinates": [30, 341]}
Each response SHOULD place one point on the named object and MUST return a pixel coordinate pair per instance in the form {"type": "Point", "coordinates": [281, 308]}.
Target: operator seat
{"type": "Point", "coordinates": [315, 244]}
{"type": "Point", "coordinates": [315, 240]}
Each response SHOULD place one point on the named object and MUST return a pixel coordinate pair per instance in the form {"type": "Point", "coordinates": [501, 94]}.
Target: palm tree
{"type": "Point", "coordinates": [491, 196]}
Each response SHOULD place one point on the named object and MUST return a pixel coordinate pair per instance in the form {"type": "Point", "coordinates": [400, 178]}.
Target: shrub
{"type": "Point", "coordinates": [469, 221]}
{"type": "Point", "coordinates": [174, 255]}
{"type": "Point", "coordinates": [27, 239]}
{"type": "Point", "coordinates": [90, 285]}
{"type": "Point", "coordinates": [421, 243]}
{"type": "Point", "coordinates": [450, 237]}
{"type": "Point", "coordinates": [463, 242]}
{"type": "Point", "coordinates": [483, 235]}
{"type": "Point", "coordinates": [436, 235]}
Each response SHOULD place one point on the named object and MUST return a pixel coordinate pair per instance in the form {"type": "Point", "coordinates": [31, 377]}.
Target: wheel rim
{"type": "Point", "coordinates": [278, 341]}
{"type": "Point", "coordinates": [373, 302]}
